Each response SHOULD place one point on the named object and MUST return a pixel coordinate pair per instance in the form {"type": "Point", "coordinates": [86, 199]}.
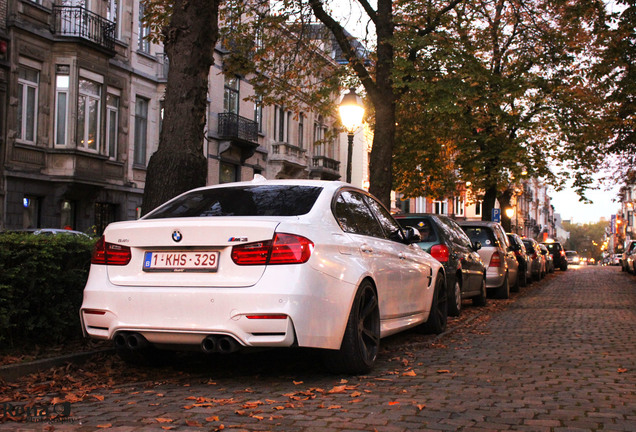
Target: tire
{"type": "Point", "coordinates": [455, 298]}
{"type": "Point", "coordinates": [482, 298]}
{"type": "Point", "coordinates": [503, 292]}
{"type": "Point", "coordinates": [361, 340]}
{"type": "Point", "coordinates": [438, 316]}
{"type": "Point", "coordinates": [564, 267]}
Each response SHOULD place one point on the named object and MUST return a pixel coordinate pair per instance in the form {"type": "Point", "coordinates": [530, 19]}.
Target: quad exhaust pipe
{"type": "Point", "coordinates": [132, 341]}
{"type": "Point", "coordinates": [219, 344]}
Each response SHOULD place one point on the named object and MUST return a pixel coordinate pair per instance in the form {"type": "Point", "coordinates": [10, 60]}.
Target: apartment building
{"type": "Point", "coordinates": [81, 97]}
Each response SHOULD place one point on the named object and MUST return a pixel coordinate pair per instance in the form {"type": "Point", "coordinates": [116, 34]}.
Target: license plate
{"type": "Point", "coordinates": [181, 261]}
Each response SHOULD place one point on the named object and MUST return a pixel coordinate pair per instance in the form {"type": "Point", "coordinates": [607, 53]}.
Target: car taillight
{"type": "Point", "coordinates": [562, 253]}
{"type": "Point", "coordinates": [440, 252]}
{"type": "Point", "coordinates": [495, 260]}
{"type": "Point", "coordinates": [282, 249]}
{"type": "Point", "coordinates": [110, 254]}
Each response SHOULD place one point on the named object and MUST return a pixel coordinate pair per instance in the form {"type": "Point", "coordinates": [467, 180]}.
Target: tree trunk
{"type": "Point", "coordinates": [488, 203]}
{"type": "Point", "coordinates": [179, 164]}
{"type": "Point", "coordinates": [383, 98]}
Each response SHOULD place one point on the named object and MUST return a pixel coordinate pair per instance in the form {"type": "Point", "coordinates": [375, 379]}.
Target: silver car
{"type": "Point", "coordinates": [496, 253]}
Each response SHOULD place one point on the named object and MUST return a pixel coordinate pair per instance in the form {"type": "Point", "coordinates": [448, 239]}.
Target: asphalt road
{"type": "Point", "coordinates": [558, 356]}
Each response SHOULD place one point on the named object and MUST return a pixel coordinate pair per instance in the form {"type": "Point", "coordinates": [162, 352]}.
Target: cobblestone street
{"type": "Point", "coordinates": [559, 356]}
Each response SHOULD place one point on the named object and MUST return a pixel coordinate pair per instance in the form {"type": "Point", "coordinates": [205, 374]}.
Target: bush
{"type": "Point", "coordinates": [42, 280]}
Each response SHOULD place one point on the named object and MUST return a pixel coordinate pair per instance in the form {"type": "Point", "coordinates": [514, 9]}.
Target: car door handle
{"type": "Point", "coordinates": [401, 256]}
{"type": "Point", "coordinates": [366, 249]}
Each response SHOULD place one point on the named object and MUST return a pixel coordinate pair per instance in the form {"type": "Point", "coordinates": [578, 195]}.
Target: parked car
{"type": "Point", "coordinates": [48, 232]}
{"type": "Point", "coordinates": [449, 244]}
{"type": "Point", "coordinates": [524, 260]}
{"type": "Point", "coordinates": [573, 257]}
{"type": "Point", "coordinates": [538, 260]}
{"type": "Point", "coordinates": [280, 263]}
{"type": "Point", "coordinates": [549, 260]}
{"type": "Point", "coordinates": [616, 259]}
{"type": "Point", "coordinates": [558, 255]}
{"type": "Point", "coordinates": [502, 266]}
{"type": "Point", "coordinates": [629, 249]}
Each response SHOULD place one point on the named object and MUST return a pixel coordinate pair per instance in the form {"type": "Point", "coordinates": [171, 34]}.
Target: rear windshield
{"type": "Point", "coordinates": [485, 236]}
{"type": "Point", "coordinates": [263, 200]}
{"type": "Point", "coordinates": [553, 247]}
{"type": "Point", "coordinates": [427, 233]}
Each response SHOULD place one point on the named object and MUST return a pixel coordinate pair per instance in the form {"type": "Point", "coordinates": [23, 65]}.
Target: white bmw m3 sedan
{"type": "Point", "coordinates": [281, 263]}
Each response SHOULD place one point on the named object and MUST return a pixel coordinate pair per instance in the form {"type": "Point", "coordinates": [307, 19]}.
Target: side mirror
{"type": "Point", "coordinates": [476, 245]}
{"type": "Point", "coordinates": [412, 235]}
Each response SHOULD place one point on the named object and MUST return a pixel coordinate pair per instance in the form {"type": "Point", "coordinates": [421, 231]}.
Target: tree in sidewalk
{"type": "Point", "coordinates": [189, 31]}
{"type": "Point", "coordinates": [505, 84]}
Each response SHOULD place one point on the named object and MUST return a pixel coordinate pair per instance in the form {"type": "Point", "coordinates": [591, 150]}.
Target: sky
{"type": "Point", "coordinates": [567, 204]}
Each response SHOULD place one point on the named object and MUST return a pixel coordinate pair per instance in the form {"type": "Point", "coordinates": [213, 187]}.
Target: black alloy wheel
{"type": "Point", "coordinates": [361, 341]}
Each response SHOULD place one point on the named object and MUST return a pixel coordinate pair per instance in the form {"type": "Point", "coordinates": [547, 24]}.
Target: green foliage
{"type": "Point", "coordinates": [42, 280]}
{"type": "Point", "coordinates": [586, 239]}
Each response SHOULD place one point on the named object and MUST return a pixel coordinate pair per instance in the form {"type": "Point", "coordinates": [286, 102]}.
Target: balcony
{"type": "Point", "coordinates": [325, 168]}
{"type": "Point", "coordinates": [241, 133]}
{"type": "Point", "coordinates": [78, 22]}
{"type": "Point", "coordinates": [291, 160]}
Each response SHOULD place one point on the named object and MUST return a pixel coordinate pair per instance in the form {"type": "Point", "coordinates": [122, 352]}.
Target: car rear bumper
{"type": "Point", "coordinates": [284, 308]}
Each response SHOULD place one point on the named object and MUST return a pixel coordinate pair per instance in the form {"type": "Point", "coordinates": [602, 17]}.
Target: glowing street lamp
{"type": "Point", "coordinates": [351, 113]}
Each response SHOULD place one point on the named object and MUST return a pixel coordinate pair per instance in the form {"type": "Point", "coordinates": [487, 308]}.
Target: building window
{"type": "Point", "coordinates": [28, 80]}
{"type": "Point", "coordinates": [459, 206]}
{"type": "Point", "coordinates": [105, 213]}
{"type": "Point", "coordinates": [62, 82]}
{"type": "Point", "coordinates": [440, 207]}
{"type": "Point", "coordinates": [67, 215]}
{"type": "Point", "coordinates": [319, 137]}
{"type": "Point", "coordinates": [88, 114]}
{"type": "Point", "coordinates": [141, 130]}
{"type": "Point", "coordinates": [258, 113]}
{"type": "Point", "coordinates": [228, 173]}
{"type": "Point", "coordinates": [30, 212]}
{"type": "Point", "coordinates": [112, 124]}
{"type": "Point", "coordinates": [301, 130]}
{"type": "Point", "coordinates": [144, 31]}
{"type": "Point", "coordinates": [231, 95]}
{"type": "Point", "coordinates": [478, 208]}
{"type": "Point", "coordinates": [112, 14]}
{"type": "Point", "coordinates": [279, 123]}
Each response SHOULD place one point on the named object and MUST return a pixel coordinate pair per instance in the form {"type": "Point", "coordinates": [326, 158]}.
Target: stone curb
{"type": "Point", "coordinates": [14, 371]}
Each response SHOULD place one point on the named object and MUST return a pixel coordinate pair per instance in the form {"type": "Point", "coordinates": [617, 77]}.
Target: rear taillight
{"type": "Point", "coordinates": [282, 249]}
{"type": "Point", "coordinates": [110, 254]}
{"type": "Point", "coordinates": [495, 260]}
{"type": "Point", "coordinates": [440, 252]}
{"type": "Point", "coordinates": [562, 253]}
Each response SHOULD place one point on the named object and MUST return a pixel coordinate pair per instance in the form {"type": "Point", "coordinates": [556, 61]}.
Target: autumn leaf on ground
{"type": "Point", "coordinates": [334, 407]}
{"type": "Point", "coordinates": [420, 406]}
{"type": "Point", "coordinates": [193, 423]}
{"type": "Point", "coordinates": [297, 382]}
{"type": "Point", "coordinates": [621, 370]}
{"type": "Point", "coordinates": [163, 420]}
{"type": "Point", "coordinates": [443, 371]}
{"type": "Point", "coordinates": [409, 373]}
{"type": "Point", "coordinates": [212, 419]}
{"type": "Point", "coordinates": [105, 426]}
{"type": "Point", "coordinates": [355, 394]}
{"type": "Point", "coordinates": [338, 389]}
{"type": "Point", "coordinates": [394, 403]}
{"type": "Point", "coordinates": [98, 397]}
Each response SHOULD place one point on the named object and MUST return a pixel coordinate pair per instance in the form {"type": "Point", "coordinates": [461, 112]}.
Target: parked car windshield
{"type": "Point", "coordinates": [270, 200]}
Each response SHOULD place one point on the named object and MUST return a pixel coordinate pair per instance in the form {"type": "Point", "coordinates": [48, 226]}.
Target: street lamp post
{"type": "Point", "coordinates": [351, 112]}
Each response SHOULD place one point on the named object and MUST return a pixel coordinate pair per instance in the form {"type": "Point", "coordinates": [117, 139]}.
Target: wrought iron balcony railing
{"type": "Point", "coordinates": [76, 21]}
{"type": "Point", "coordinates": [233, 126]}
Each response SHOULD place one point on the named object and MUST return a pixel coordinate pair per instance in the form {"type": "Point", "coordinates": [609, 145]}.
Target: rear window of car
{"type": "Point", "coordinates": [260, 200]}
{"type": "Point", "coordinates": [553, 247]}
{"type": "Point", "coordinates": [424, 226]}
{"type": "Point", "coordinates": [485, 236]}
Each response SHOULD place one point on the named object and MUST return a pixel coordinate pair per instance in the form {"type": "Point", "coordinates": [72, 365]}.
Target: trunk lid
{"type": "Point", "coordinates": [187, 238]}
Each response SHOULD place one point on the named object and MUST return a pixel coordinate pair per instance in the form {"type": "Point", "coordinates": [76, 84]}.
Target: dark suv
{"type": "Point", "coordinates": [447, 242]}
{"type": "Point", "coordinates": [558, 255]}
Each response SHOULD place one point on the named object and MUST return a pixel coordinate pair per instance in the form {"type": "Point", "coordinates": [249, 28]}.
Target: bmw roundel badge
{"type": "Point", "coordinates": [176, 236]}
